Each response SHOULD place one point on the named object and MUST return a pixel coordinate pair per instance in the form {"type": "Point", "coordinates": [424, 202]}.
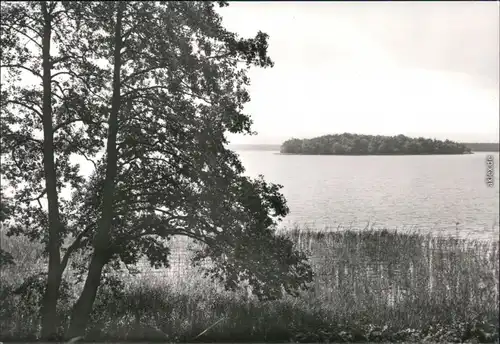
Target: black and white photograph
{"type": "Point", "coordinates": [249, 171]}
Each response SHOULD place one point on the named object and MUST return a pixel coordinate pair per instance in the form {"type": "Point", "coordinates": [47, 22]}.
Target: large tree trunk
{"type": "Point", "coordinates": [83, 307]}
{"type": "Point", "coordinates": [49, 303]}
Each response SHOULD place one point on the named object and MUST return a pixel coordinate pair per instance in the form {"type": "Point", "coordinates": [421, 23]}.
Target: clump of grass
{"type": "Point", "coordinates": [369, 286]}
{"type": "Point", "coordinates": [26, 255]}
{"type": "Point", "coordinates": [21, 289]}
{"type": "Point", "coordinates": [16, 313]}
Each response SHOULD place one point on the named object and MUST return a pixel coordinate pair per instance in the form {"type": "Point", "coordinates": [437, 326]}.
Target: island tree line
{"type": "Point", "coordinates": [354, 144]}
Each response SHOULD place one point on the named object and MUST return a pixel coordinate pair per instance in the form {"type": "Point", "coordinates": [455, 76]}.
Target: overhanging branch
{"type": "Point", "coordinates": [26, 35]}
{"type": "Point", "coordinates": [80, 151]}
{"type": "Point", "coordinates": [22, 67]}
{"type": "Point", "coordinates": [75, 120]}
{"type": "Point", "coordinates": [35, 198]}
{"type": "Point", "coordinates": [26, 106]}
{"type": "Point", "coordinates": [74, 246]}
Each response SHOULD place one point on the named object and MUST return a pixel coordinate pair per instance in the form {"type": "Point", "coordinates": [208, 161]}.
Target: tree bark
{"type": "Point", "coordinates": [51, 295]}
{"type": "Point", "coordinates": [83, 307]}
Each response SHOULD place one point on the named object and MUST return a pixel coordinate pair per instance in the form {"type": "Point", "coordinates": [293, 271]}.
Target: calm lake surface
{"type": "Point", "coordinates": [429, 194]}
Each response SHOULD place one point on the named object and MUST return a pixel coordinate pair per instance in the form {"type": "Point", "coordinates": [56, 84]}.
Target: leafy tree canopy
{"type": "Point", "coordinates": [145, 92]}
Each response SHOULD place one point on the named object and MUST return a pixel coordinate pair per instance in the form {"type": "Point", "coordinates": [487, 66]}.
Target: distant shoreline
{"type": "Point", "coordinates": [474, 146]}
{"type": "Point", "coordinates": [361, 155]}
{"type": "Point", "coordinates": [482, 147]}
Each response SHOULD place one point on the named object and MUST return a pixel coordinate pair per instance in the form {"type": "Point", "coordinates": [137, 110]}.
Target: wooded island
{"type": "Point", "coordinates": [354, 144]}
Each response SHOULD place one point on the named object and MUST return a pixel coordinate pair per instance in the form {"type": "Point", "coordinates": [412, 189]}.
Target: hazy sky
{"type": "Point", "coordinates": [416, 68]}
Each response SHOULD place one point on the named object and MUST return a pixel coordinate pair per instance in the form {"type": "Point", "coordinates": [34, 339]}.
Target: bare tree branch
{"type": "Point", "coordinates": [26, 35]}
{"type": "Point", "coordinates": [75, 120]}
{"type": "Point", "coordinates": [26, 106]}
{"type": "Point", "coordinates": [22, 67]}
{"type": "Point", "coordinates": [82, 153]}
{"type": "Point", "coordinates": [141, 72]}
{"type": "Point", "coordinates": [35, 198]}
{"type": "Point", "coordinates": [56, 61]}
{"type": "Point", "coordinates": [79, 77]}
{"type": "Point", "coordinates": [74, 245]}
{"type": "Point", "coordinates": [150, 88]}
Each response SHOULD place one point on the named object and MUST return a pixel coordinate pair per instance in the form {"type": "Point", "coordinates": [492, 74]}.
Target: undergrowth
{"type": "Point", "coordinates": [368, 286]}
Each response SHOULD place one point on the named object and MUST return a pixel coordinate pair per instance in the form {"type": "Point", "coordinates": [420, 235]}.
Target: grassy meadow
{"type": "Point", "coordinates": [368, 286]}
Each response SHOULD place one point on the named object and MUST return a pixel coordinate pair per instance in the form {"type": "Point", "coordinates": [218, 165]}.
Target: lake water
{"type": "Point", "coordinates": [422, 193]}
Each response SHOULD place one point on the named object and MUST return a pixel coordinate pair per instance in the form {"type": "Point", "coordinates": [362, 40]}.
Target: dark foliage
{"type": "Point", "coordinates": [173, 84]}
{"type": "Point", "coordinates": [354, 144]}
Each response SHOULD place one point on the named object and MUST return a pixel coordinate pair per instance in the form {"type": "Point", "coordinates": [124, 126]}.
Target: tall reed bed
{"type": "Point", "coordinates": [368, 286]}
{"type": "Point", "coordinates": [400, 277]}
